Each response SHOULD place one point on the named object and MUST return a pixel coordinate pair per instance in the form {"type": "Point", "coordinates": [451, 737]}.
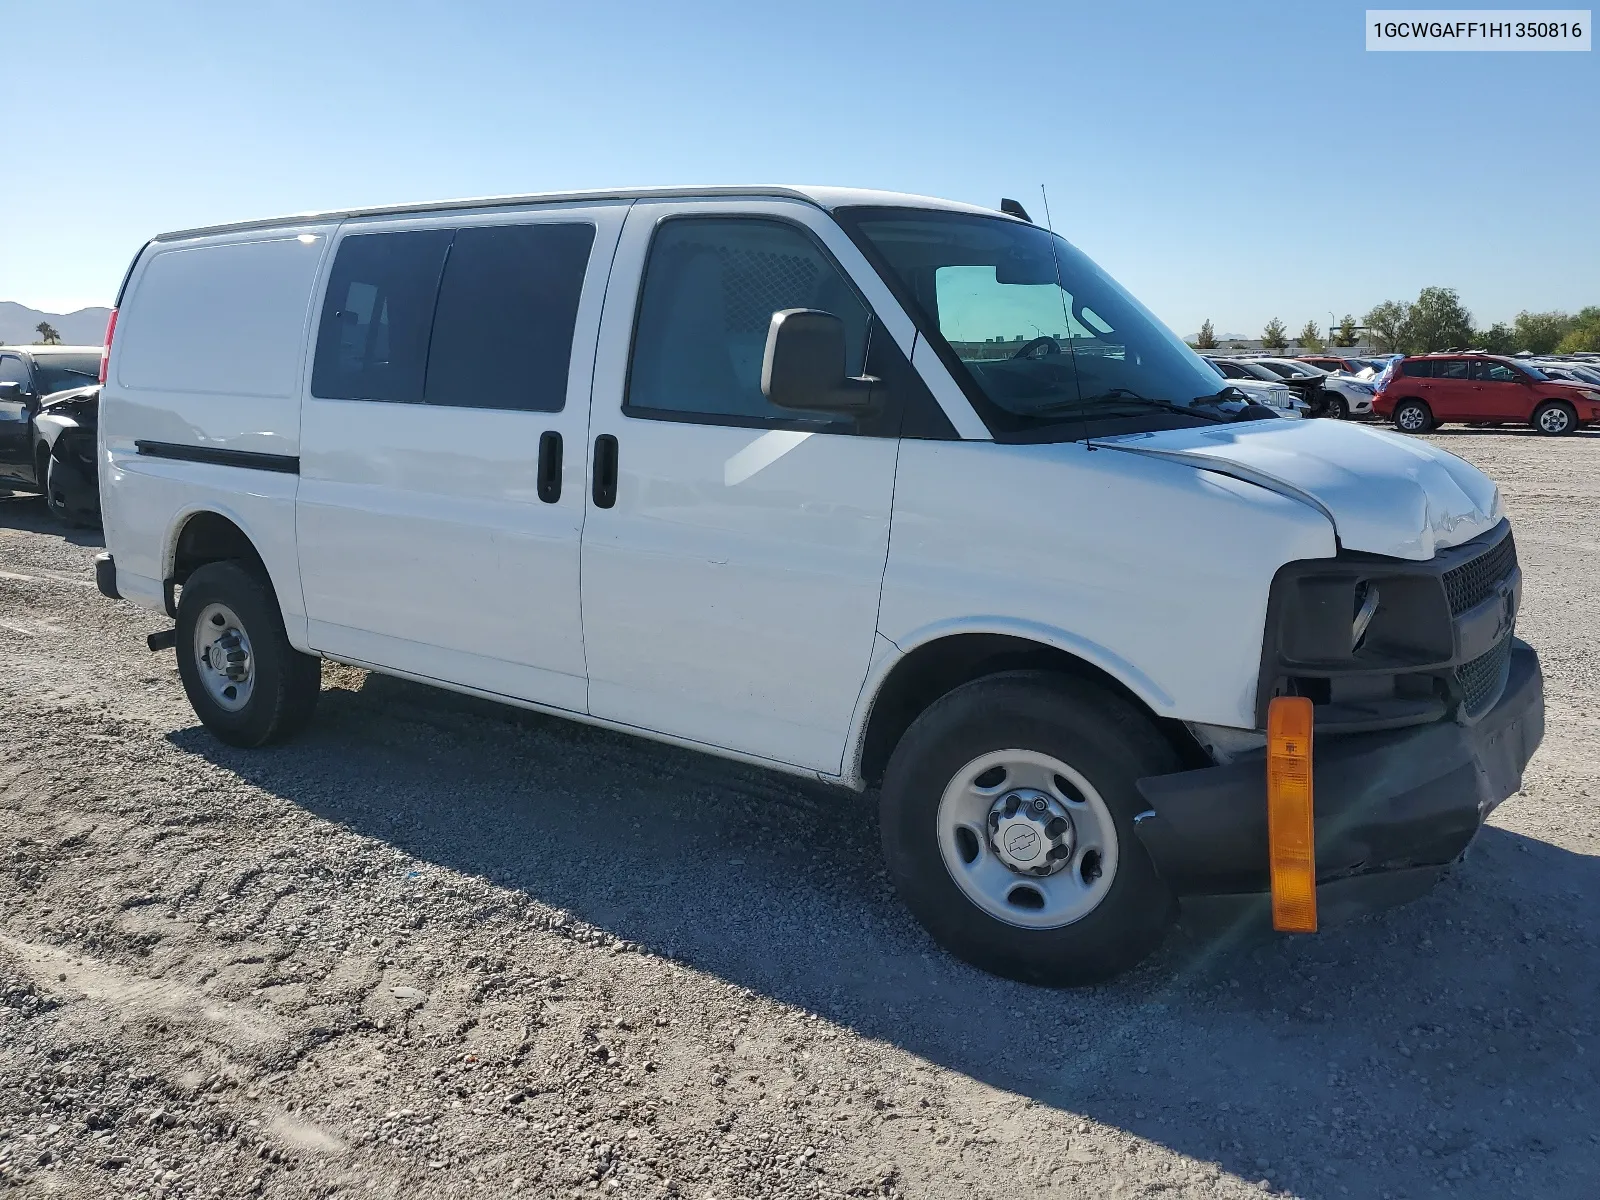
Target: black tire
{"type": "Point", "coordinates": [1337, 408]}
{"type": "Point", "coordinates": [285, 683]}
{"type": "Point", "coordinates": [1099, 735]}
{"type": "Point", "coordinates": [1555, 418]}
{"type": "Point", "coordinates": [1412, 416]}
{"type": "Point", "coordinates": [55, 499]}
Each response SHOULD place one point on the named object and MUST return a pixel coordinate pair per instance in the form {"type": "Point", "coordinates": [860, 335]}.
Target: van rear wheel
{"type": "Point", "coordinates": [247, 684]}
{"type": "Point", "coordinates": [1007, 822]}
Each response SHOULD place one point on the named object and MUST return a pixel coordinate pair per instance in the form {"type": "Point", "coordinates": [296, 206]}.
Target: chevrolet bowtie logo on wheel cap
{"type": "Point", "coordinates": [1022, 843]}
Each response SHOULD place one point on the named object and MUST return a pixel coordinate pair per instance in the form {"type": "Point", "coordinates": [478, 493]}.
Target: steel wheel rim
{"type": "Point", "coordinates": [1553, 420]}
{"type": "Point", "coordinates": [976, 866]}
{"type": "Point", "coordinates": [1411, 419]}
{"type": "Point", "coordinates": [223, 658]}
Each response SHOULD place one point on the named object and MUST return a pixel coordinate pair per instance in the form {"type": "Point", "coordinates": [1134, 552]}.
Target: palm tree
{"type": "Point", "coordinates": [47, 334]}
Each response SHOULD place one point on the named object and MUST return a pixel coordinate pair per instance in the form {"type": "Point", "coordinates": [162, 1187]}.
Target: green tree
{"type": "Point", "coordinates": [1584, 334]}
{"type": "Point", "coordinates": [1347, 335]}
{"type": "Point", "coordinates": [1310, 336]}
{"type": "Point", "coordinates": [1497, 339]}
{"type": "Point", "coordinates": [1275, 336]}
{"type": "Point", "coordinates": [1389, 324]}
{"type": "Point", "coordinates": [1542, 332]}
{"type": "Point", "coordinates": [1208, 336]}
{"type": "Point", "coordinates": [1438, 322]}
{"type": "Point", "coordinates": [47, 334]}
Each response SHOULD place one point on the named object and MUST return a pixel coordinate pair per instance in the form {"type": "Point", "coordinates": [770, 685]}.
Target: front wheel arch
{"type": "Point", "coordinates": [932, 670]}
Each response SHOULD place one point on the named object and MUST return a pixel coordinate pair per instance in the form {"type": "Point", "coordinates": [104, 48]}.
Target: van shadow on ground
{"type": "Point", "coordinates": [1432, 1046]}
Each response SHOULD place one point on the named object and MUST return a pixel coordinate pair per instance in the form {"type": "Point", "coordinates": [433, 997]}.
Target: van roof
{"type": "Point", "coordinates": [44, 351]}
{"type": "Point", "coordinates": [822, 197]}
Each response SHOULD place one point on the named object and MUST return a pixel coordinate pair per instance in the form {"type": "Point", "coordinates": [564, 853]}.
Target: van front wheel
{"type": "Point", "coordinates": [1007, 822]}
{"type": "Point", "coordinates": [247, 684]}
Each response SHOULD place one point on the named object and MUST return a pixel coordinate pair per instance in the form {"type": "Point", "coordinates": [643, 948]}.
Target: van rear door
{"type": "Point", "coordinates": [442, 447]}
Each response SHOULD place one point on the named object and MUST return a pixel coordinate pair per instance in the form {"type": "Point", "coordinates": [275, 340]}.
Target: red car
{"type": "Point", "coordinates": [1420, 393]}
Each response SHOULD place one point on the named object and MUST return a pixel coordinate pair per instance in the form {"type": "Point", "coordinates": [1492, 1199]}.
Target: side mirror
{"type": "Point", "coordinates": [10, 391]}
{"type": "Point", "coordinates": [804, 364]}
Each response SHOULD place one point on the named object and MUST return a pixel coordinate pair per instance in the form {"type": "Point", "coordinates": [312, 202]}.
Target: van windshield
{"type": "Point", "coordinates": [1039, 336]}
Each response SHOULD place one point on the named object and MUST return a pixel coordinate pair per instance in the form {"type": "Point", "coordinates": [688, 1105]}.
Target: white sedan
{"type": "Point", "coordinates": [1348, 396]}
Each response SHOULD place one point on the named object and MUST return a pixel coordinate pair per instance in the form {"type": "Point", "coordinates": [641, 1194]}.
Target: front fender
{"type": "Point", "coordinates": [888, 654]}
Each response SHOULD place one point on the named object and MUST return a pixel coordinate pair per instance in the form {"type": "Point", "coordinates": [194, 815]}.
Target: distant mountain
{"type": "Point", "coordinates": [19, 324]}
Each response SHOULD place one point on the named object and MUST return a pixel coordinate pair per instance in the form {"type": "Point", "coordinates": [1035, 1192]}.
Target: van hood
{"type": "Point", "coordinates": [1385, 493]}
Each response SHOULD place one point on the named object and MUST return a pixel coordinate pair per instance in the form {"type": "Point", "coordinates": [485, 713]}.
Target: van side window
{"type": "Point", "coordinates": [508, 303]}
{"type": "Point", "coordinates": [373, 340]}
{"type": "Point", "coordinates": [711, 285]}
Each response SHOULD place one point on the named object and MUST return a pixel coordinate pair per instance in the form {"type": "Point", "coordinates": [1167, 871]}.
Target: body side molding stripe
{"type": "Point", "coordinates": [286, 464]}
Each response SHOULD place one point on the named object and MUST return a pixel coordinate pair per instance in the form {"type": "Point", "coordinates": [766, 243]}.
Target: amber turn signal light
{"type": "Point", "coordinates": [1291, 834]}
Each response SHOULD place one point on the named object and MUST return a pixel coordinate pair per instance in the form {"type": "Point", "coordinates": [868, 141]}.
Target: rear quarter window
{"type": "Point", "coordinates": [1417, 369]}
{"type": "Point", "coordinates": [225, 318]}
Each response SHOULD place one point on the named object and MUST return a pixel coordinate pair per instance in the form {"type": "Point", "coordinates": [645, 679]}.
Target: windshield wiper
{"type": "Point", "coordinates": [1112, 396]}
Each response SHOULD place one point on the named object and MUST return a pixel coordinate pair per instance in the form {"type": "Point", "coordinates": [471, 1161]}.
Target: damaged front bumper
{"type": "Point", "coordinates": [1392, 809]}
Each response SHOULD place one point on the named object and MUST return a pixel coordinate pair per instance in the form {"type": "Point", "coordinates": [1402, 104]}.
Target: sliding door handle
{"type": "Point", "coordinates": [549, 478]}
{"type": "Point", "coordinates": [605, 471]}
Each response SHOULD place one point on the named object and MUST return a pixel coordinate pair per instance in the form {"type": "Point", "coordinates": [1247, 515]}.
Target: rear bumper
{"type": "Point", "coordinates": [1392, 808]}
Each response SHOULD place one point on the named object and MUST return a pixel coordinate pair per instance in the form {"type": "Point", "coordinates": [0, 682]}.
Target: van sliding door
{"type": "Point", "coordinates": [442, 448]}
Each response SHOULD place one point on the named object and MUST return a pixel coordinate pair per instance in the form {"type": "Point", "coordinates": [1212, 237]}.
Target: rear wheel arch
{"type": "Point", "coordinates": [934, 669]}
{"type": "Point", "coordinates": [207, 536]}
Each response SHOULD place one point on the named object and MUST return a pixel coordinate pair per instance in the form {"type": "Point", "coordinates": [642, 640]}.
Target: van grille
{"type": "Point", "coordinates": [1473, 582]}
{"type": "Point", "coordinates": [1483, 679]}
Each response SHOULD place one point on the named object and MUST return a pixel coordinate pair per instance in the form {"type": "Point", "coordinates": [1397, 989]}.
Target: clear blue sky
{"type": "Point", "coordinates": [1237, 160]}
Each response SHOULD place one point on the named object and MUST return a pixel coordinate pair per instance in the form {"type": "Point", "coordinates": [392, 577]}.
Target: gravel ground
{"type": "Point", "coordinates": [436, 948]}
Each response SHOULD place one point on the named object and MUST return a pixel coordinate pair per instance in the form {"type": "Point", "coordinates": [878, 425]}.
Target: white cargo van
{"type": "Point", "coordinates": [886, 491]}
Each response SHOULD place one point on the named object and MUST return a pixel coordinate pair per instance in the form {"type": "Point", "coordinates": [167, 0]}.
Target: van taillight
{"type": "Point", "coordinates": [105, 350]}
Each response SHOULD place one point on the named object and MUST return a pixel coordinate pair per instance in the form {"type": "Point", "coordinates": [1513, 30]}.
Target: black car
{"type": "Point", "coordinates": [49, 400]}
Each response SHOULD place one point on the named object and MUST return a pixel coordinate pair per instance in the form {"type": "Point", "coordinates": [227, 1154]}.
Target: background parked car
{"type": "Point", "coordinates": [49, 396]}
{"type": "Point", "coordinates": [1569, 370]}
{"type": "Point", "coordinates": [1432, 389]}
{"type": "Point", "coordinates": [67, 425]}
{"type": "Point", "coordinates": [1338, 395]}
{"type": "Point", "coordinates": [1305, 389]}
{"type": "Point", "coordinates": [1361, 368]}
{"type": "Point", "coordinates": [1272, 392]}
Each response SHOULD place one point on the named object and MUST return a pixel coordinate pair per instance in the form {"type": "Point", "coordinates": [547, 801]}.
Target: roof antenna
{"type": "Point", "coordinates": [1046, 197]}
{"type": "Point", "coordinates": [1012, 209]}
